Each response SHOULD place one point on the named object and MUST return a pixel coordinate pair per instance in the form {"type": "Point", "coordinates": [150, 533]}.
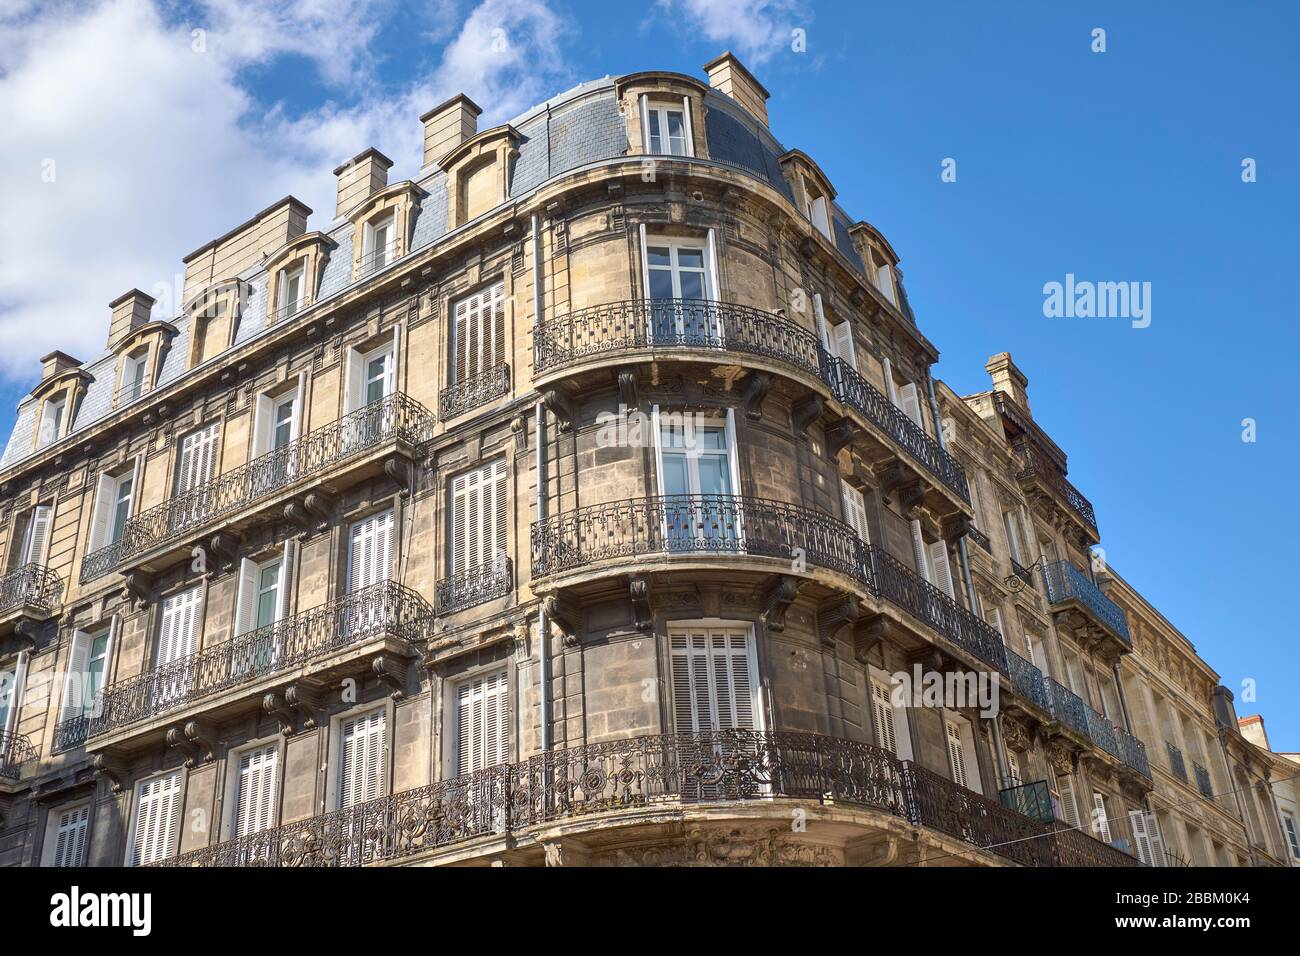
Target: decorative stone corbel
{"type": "Point", "coordinates": [195, 740]}
{"type": "Point", "coordinates": [297, 515]}
{"type": "Point", "coordinates": [564, 616]}
{"type": "Point", "coordinates": [627, 388]}
{"type": "Point", "coordinates": [807, 247]}
{"type": "Point", "coordinates": [833, 615]}
{"type": "Point", "coordinates": [27, 632]}
{"type": "Point", "coordinates": [399, 470]}
{"type": "Point", "coordinates": [224, 546]}
{"type": "Point", "coordinates": [754, 388]}
{"type": "Point", "coordinates": [305, 702]}
{"type": "Point", "coordinates": [559, 405]}
{"type": "Point", "coordinates": [806, 411]}
{"type": "Point", "coordinates": [519, 427]}
{"type": "Point", "coordinates": [868, 634]}
{"type": "Point", "coordinates": [112, 767]}
{"type": "Point", "coordinates": [392, 672]}
{"type": "Point", "coordinates": [955, 526]}
{"type": "Point", "coordinates": [777, 600]}
{"type": "Point", "coordinates": [275, 705]}
{"type": "Point", "coordinates": [321, 507]}
{"type": "Point", "coordinates": [640, 590]}
{"type": "Point", "coordinates": [137, 588]}
{"type": "Point", "coordinates": [858, 296]}
{"type": "Point", "coordinates": [838, 436]}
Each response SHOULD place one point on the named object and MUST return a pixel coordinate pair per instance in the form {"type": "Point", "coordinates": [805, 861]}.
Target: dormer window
{"type": "Point", "coordinates": [291, 290]}
{"type": "Point", "coordinates": [817, 209]}
{"type": "Point", "coordinates": [668, 128]}
{"type": "Point", "coordinates": [378, 244]}
{"type": "Point", "coordinates": [133, 376]}
{"type": "Point", "coordinates": [52, 413]}
{"type": "Point", "coordinates": [884, 280]}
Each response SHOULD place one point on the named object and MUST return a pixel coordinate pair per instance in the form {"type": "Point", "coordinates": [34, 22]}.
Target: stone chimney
{"type": "Point", "coordinates": [1252, 728]}
{"type": "Point", "coordinates": [129, 312]}
{"type": "Point", "coordinates": [360, 178]}
{"type": "Point", "coordinates": [1224, 712]}
{"type": "Point", "coordinates": [57, 362]}
{"type": "Point", "coordinates": [447, 126]}
{"type": "Point", "coordinates": [728, 75]}
{"type": "Point", "coordinates": [1008, 378]}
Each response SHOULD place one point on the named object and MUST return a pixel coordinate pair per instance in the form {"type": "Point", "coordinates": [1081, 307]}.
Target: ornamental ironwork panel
{"type": "Point", "coordinates": [1075, 848]}
{"type": "Point", "coordinates": [30, 585]}
{"type": "Point", "coordinates": [382, 609]}
{"type": "Point", "coordinates": [1065, 582]}
{"type": "Point", "coordinates": [979, 538]}
{"type": "Point", "coordinates": [1068, 707]}
{"type": "Point", "coordinates": [15, 751]}
{"type": "Point", "coordinates": [1176, 762]}
{"type": "Point", "coordinates": [70, 733]}
{"type": "Point", "coordinates": [1133, 752]}
{"type": "Point", "coordinates": [395, 417]}
{"type": "Point", "coordinates": [1037, 465]}
{"type": "Point", "coordinates": [470, 393]}
{"type": "Point", "coordinates": [1027, 680]}
{"type": "Point", "coordinates": [1203, 781]}
{"type": "Point", "coordinates": [476, 585]}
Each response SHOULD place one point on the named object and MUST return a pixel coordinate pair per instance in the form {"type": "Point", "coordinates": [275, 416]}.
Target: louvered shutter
{"type": "Point", "coordinates": [843, 338]}
{"type": "Point", "coordinates": [246, 601]}
{"type": "Point", "coordinates": [1013, 768]}
{"type": "Point", "coordinates": [371, 554]}
{"type": "Point", "coordinates": [156, 819]}
{"type": "Point", "coordinates": [891, 390]}
{"type": "Point", "coordinates": [956, 753]}
{"type": "Point", "coordinates": [38, 535]}
{"type": "Point", "coordinates": [910, 402]}
{"type": "Point", "coordinates": [481, 726]}
{"type": "Point", "coordinates": [105, 511]}
{"type": "Point", "coordinates": [883, 711]}
{"type": "Point", "coordinates": [1069, 811]}
{"type": "Point", "coordinates": [823, 332]}
{"type": "Point", "coordinates": [361, 770]}
{"type": "Point", "coordinates": [1101, 825]}
{"type": "Point", "coordinates": [198, 454]}
{"type": "Point", "coordinates": [1013, 536]}
{"type": "Point", "coordinates": [1142, 838]}
{"type": "Point", "coordinates": [855, 511]}
{"type": "Point", "coordinates": [478, 333]}
{"type": "Point", "coordinates": [940, 569]}
{"type": "Point", "coordinates": [713, 680]}
{"type": "Point", "coordinates": [255, 804]}
{"type": "Point", "coordinates": [180, 620]}
{"type": "Point", "coordinates": [286, 571]}
{"type": "Point", "coordinates": [918, 550]}
{"type": "Point", "coordinates": [478, 516]}
{"type": "Point", "coordinates": [74, 685]}
{"type": "Point", "coordinates": [70, 836]}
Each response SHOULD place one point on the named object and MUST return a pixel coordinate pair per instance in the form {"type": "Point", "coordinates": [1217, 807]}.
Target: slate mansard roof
{"type": "Point", "coordinates": [575, 128]}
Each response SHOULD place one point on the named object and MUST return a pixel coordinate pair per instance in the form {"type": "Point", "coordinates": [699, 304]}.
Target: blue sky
{"type": "Point", "coordinates": [1114, 166]}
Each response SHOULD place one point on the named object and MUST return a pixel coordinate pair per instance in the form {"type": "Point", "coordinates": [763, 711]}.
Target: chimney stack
{"type": "Point", "coordinates": [360, 178]}
{"type": "Point", "coordinates": [728, 75]}
{"type": "Point", "coordinates": [129, 311]}
{"type": "Point", "coordinates": [1009, 379]}
{"type": "Point", "coordinates": [57, 362]}
{"type": "Point", "coordinates": [447, 126]}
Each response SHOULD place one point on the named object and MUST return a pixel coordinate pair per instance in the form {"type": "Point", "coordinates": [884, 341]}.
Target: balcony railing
{"type": "Point", "coordinates": [856, 392]}
{"type": "Point", "coordinates": [1037, 465]}
{"type": "Point", "coordinates": [386, 608]}
{"type": "Point", "coordinates": [15, 750]}
{"type": "Point", "coordinates": [1176, 762]}
{"type": "Point", "coordinates": [694, 524]}
{"type": "Point", "coordinates": [1022, 572]}
{"type": "Point", "coordinates": [376, 259]}
{"type": "Point", "coordinates": [30, 585]}
{"type": "Point", "coordinates": [1065, 582]}
{"type": "Point", "coordinates": [1028, 681]}
{"type": "Point", "coordinates": [644, 772]}
{"type": "Point", "coordinates": [70, 732]}
{"type": "Point", "coordinates": [1068, 707]}
{"type": "Point", "coordinates": [1031, 799]}
{"type": "Point", "coordinates": [657, 324]}
{"type": "Point", "coordinates": [476, 585]}
{"type": "Point", "coordinates": [395, 417]}
{"type": "Point", "coordinates": [1203, 781]}
{"type": "Point", "coordinates": [1133, 752]}
{"type": "Point", "coordinates": [472, 392]}
{"type": "Point", "coordinates": [980, 538]}
{"type": "Point", "coordinates": [902, 586]}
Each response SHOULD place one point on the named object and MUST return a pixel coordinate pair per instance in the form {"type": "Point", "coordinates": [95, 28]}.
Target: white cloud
{"type": "Point", "coordinates": [156, 148]}
{"type": "Point", "coordinates": [754, 29]}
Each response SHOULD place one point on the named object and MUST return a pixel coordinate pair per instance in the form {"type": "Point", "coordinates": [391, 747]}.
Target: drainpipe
{"type": "Point", "coordinates": [539, 423]}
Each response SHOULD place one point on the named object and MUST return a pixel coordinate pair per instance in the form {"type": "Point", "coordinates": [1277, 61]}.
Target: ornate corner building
{"type": "Point", "coordinates": [578, 500]}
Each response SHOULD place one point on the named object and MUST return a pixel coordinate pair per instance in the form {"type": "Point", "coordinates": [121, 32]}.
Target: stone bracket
{"type": "Point", "coordinates": [627, 388]}
{"type": "Point", "coordinates": [195, 739]}
{"type": "Point", "coordinates": [559, 405]}
{"type": "Point", "coordinates": [224, 546]}
{"type": "Point", "coordinates": [112, 767]}
{"type": "Point", "coordinates": [754, 388]}
{"type": "Point", "coordinates": [868, 634]}
{"type": "Point", "coordinates": [393, 673]}
{"type": "Point", "coordinates": [565, 616]}
{"type": "Point", "coordinates": [777, 600]}
{"type": "Point", "coordinates": [838, 436]}
{"type": "Point", "coordinates": [833, 615]}
{"type": "Point", "coordinates": [639, 587]}
{"type": "Point", "coordinates": [806, 411]}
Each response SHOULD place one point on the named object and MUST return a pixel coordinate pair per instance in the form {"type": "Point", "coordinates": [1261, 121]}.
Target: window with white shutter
{"type": "Point", "coordinates": [197, 458]}
{"type": "Point", "coordinates": [37, 538]}
{"type": "Point", "coordinates": [1013, 536]}
{"type": "Point", "coordinates": [1143, 828]}
{"type": "Point", "coordinates": [714, 678]}
{"type": "Point", "coordinates": [482, 734]}
{"type": "Point", "coordinates": [1292, 837]}
{"type": "Point", "coordinates": [362, 756]}
{"type": "Point", "coordinates": [667, 127]}
{"type": "Point", "coordinates": [478, 516]}
{"type": "Point", "coordinates": [112, 509]}
{"type": "Point", "coordinates": [883, 713]}
{"type": "Point", "coordinates": [939, 567]}
{"type": "Point", "coordinates": [157, 816]}
{"type": "Point", "coordinates": [994, 618]}
{"type": "Point", "coordinates": [87, 666]}
{"type": "Point", "coordinates": [255, 791]}
{"type": "Point", "coordinates": [1100, 820]}
{"type": "Point", "coordinates": [52, 414]}
{"type": "Point", "coordinates": [1065, 793]}
{"type": "Point", "coordinates": [371, 376]}
{"type": "Point", "coordinates": [370, 553]}
{"type": "Point", "coordinates": [855, 511]}
{"type": "Point", "coordinates": [919, 550]}
{"type": "Point", "coordinates": [65, 836]}
{"type": "Point", "coordinates": [909, 400]}
{"type": "Point", "coordinates": [178, 630]}
{"type": "Point", "coordinates": [478, 333]}
{"type": "Point", "coordinates": [956, 753]}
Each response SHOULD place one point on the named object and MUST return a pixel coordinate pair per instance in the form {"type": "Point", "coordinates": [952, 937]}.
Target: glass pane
{"type": "Point", "coordinates": [690, 258]}
{"type": "Point", "coordinates": [713, 437]}
{"type": "Point", "coordinates": [692, 285]}
{"type": "Point", "coordinates": [661, 284]}
{"type": "Point", "coordinates": [658, 256]}
{"type": "Point", "coordinates": [715, 478]}
{"type": "Point", "coordinates": [674, 477]}
{"type": "Point", "coordinates": [676, 128]}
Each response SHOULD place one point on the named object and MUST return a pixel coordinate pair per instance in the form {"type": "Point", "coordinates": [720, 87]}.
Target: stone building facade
{"type": "Point", "coordinates": [579, 499]}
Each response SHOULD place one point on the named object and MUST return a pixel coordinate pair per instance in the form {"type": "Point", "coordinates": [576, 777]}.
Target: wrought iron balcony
{"type": "Point", "coordinates": [70, 732]}
{"type": "Point", "coordinates": [857, 393]}
{"type": "Point", "coordinates": [380, 610]}
{"type": "Point", "coordinates": [472, 392]}
{"type": "Point", "coordinates": [376, 259]}
{"type": "Point", "coordinates": [1071, 709]}
{"type": "Point", "coordinates": [1039, 466]}
{"type": "Point", "coordinates": [900, 585]}
{"type": "Point", "coordinates": [1133, 752]}
{"type": "Point", "coordinates": [395, 418]}
{"type": "Point", "coordinates": [30, 586]}
{"type": "Point", "coordinates": [476, 585]}
{"type": "Point", "coordinates": [633, 774]}
{"type": "Point", "coordinates": [980, 538]}
{"type": "Point", "coordinates": [1068, 707]}
{"type": "Point", "coordinates": [685, 525]}
{"type": "Point", "coordinates": [1067, 584]}
{"type": "Point", "coordinates": [1031, 799]}
{"type": "Point", "coordinates": [15, 751]}
{"type": "Point", "coordinates": [1203, 781]}
{"type": "Point", "coordinates": [703, 324]}
{"type": "Point", "coordinates": [1028, 681]}
{"type": "Point", "coordinates": [1176, 762]}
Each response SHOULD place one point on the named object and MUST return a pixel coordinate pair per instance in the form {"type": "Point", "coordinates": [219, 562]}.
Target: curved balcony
{"type": "Point", "coordinates": [687, 527]}
{"type": "Point", "coordinates": [15, 751]}
{"type": "Point", "coordinates": [1071, 710]}
{"type": "Point", "coordinates": [671, 771]}
{"type": "Point", "coordinates": [29, 591]}
{"type": "Point", "coordinates": [383, 615]}
{"type": "Point", "coordinates": [324, 453]}
{"type": "Point", "coordinates": [1069, 588]}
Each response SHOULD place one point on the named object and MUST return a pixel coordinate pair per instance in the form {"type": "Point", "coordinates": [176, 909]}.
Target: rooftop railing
{"type": "Point", "coordinates": [394, 417]}
{"type": "Point", "coordinates": [30, 585]}
{"type": "Point", "coordinates": [1065, 582]}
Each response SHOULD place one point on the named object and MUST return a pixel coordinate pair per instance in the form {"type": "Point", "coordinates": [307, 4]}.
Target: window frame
{"type": "Point", "coordinates": [659, 110]}
{"type": "Point", "coordinates": [756, 695]}
{"type": "Point", "coordinates": [334, 765]}
{"type": "Point", "coordinates": [59, 406]}
{"type": "Point", "coordinates": [451, 761]}
{"type": "Point", "coordinates": [182, 779]}
{"type": "Point", "coordinates": [50, 841]}
{"type": "Point", "coordinates": [230, 786]}
{"type": "Point", "coordinates": [129, 390]}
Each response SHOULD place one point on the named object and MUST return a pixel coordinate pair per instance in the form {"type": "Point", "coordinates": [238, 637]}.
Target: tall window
{"type": "Point", "coordinates": [133, 376]}
{"type": "Point", "coordinates": [478, 332]}
{"type": "Point", "coordinates": [36, 536]}
{"type": "Point", "coordinates": [370, 551]}
{"type": "Point", "coordinates": [255, 791]}
{"type": "Point", "coordinates": [362, 754]}
{"type": "Point", "coordinates": [678, 269]}
{"type": "Point", "coordinates": [478, 516]}
{"type": "Point", "coordinates": [714, 674]}
{"type": "Point", "coordinates": [65, 835]}
{"type": "Point", "coordinates": [178, 629]}
{"type": "Point", "coordinates": [1100, 816]}
{"type": "Point", "coordinates": [87, 667]}
{"type": "Point", "coordinates": [667, 127]}
{"type": "Point", "coordinates": [291, 290]}
{"type": "Point", "coordinates": [855, 511]}
{"type": "Point", "coordinates": [157, 815]}
{"type": "Point", "coordinates": [112, 509]}
{"type": "Point", "coordinates": [259, 604]}
{"type": "Point", "coordinates": [956, 753]}
{"type": "Point", "coordinates": [482, 733]}
{"type": "Point", "coordinates": [906, 396]}
{"type": "Point", "coordinates": [379, 247]}
{"type": "Point", "coordinates": [891, 721]}
{"type": "Point", "coordinates": [51, 428]}
{"type": "Point", "coordinates": [197, 458]}
{"type": "Point", "coordinates": [1292, 837]}
{"type": "Point", "coordinates": [696, 459]}
{"type": "Point", "coordinates": [371, 376]}
{"type": "Point", "coordinates": [817, 209]}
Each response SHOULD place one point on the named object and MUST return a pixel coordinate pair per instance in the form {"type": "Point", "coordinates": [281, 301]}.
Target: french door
{"type": "Point", "coordinates": [697, 479]}
{"type": "Point", "coordinates": [177, 640]}
{"type": "Point", "coordinates": [370, 561]}
{"type": "Point", "coordinates": [679, 285]}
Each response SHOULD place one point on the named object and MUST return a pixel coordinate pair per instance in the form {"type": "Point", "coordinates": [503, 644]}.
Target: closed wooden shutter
{"type": "Point", "coordinates": [883, 712]}
{"type": "Point", "coordinates": [38, 535]}
{"type": "Point", "coordinates": [105, 512]}
{"type": "Point", "coordinates": [1142, 842]}
{"type": "Point", "coordinates": [70, 836]}
{"type": "Point", "coordinates": [713, 679]}
{"type": "Point", "coordinates": [478, 516]}
{"type": "Point", "coordinates": [362, 758]}
{"type": "Point", "coordinates": [74, 684]}
{"type": "Point", "coordinates": [1100, 824]}
{"type": "Point", "coordinates": [179, 626]}
{"type": "Point", "coordinates": [940, 569]}
{"type": "Point", "coordinates": [1069, 812]}
{"type": "Point", "coordinates": [909, 401]}
{"type": "Point", "coordinates": [478, 333]}
{"type": "Point", "coordinates": [482, 735]}
{"type": "Point", "coordinates": [255, 799]}
{"type": "Point", "coordinates": [995, 619]}
{"type": "Point", "coordinates": [246, 600]}
{"type": "Point", "coordinates": [156, 819]}
{"type": "Point", "coordinates": [843, 338]}
{"type": "Point", "coordinates": [956, 753]}
{"type": "Point", "coordinates": [918, 550]}
{"type": "Point", "coordinates": [370, 559]}
{"type": "Point", "coordinates": [891, 390]}
{"type": "Point", "coordinates": [198, 456]}
{"type": "Point", "coordinates": [1013, 768]}
{"type": "Point", "coordinates": [855, 511]}
{"type": "Point", "coordinates": [1013, 536]}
